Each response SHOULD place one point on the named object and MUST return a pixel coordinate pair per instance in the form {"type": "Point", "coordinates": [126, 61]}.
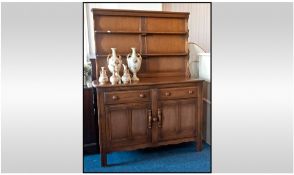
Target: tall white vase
{"type": "Point", "coordinates": [134, 63]}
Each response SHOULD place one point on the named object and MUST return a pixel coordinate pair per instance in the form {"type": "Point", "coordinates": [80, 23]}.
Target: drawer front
{"type": "Point", "coordinates": [173, 93]}
{"type": "Point", "coordinates": [126, 96]}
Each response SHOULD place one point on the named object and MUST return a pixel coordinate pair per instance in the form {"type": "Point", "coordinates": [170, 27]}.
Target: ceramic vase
{"type": "Point", "coordinates": [115, 78]}
{"type": "Point", "coordinates": [114, 60]}
{"type": "Point", "coordinates": [134, 63]}
{"type": "Point", "coordinates": [126, 78]}
{"type": "Point", "coordinates": [103, 78]}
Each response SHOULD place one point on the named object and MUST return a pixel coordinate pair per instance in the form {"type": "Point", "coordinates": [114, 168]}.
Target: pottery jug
{"type": "Point", "coordinates": [103, 79]}
{"type": "Point", "coordinates": [114, 79]}
{"type": "Point", "coordinates": [134, 63]}
{"type": "Point", "coordinates": [126, 78]}
{"type": "Point", "coordinates": [114, 60]}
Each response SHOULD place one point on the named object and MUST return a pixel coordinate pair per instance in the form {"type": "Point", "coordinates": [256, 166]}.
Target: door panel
{"type": "Point", "coordinates": [178, 118]}
{"type": "Point", "coordinates": [139, 122]}
{"type": "Point", "coordinates": [127, 124]}
{"type": "Point", "coordinates": [188, 114]}
{"type": "Point", "coordinates": [118, 124]}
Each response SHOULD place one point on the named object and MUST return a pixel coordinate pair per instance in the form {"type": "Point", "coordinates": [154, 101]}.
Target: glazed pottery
{"type": "Point", "coordinates": [134, 63]}
{"type": "Point", "coordinates": [103, 79]}
{"type": "Point", "coordinates": [126, 78]}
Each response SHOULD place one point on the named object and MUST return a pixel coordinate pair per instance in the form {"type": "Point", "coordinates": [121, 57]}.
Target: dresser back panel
{"type": "Point", "coordinates": [166, 25]}
{"type": "Point", "coordinates": [117, 23]}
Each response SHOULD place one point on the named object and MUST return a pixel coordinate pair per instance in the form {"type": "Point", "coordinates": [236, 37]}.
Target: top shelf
{"type": "Point", "coordinates": [142, 32]}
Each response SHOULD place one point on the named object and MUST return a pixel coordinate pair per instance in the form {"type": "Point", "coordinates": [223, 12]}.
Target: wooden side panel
{"type": "Point", "coordinates": [117, 23]}
{"type": "Point", "coordinates": [123, 43]}
{"type": "Point", "coordinates": [166, 44]}
{"type": "Point", "coordinates": [166, 25]}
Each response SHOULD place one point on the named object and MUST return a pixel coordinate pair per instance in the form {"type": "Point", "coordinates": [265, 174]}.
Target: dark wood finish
{"type": "Point", "coordinates": [89, 123]}
{"type": "Point", "coordinates": [126, 96]}
{"type": "Point", "coordinates": [175, 93]}
{"type": "Point", "coordinates": [165, 106]}
{"type": "Point", "coordinates": [126, 125]}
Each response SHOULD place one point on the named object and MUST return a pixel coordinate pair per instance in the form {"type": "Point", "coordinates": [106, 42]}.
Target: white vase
{"type": "Point", "coordinates": [115, 78]}
{"type": "Point", "coordinates": [114, 60]}
{"type": "Point", "coordinates": [134, 63]}
{"type": "Point", "coordinates": [126, 78]}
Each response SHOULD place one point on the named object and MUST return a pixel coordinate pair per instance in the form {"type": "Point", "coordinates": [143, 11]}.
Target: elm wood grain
{"type": "Point", "coordinates": [127, 96]}
{"type": "Point", "coordinates": [175, 93]}
{"type": "Point", "coordinates": [123, 43]}
{"type": "Point", "coordinates": [117, 23]}
{"type": "Point", "coordinates": [166, 25]}
{"type": "Point", "coordinates": [174, 125]}
{"type": "Point", "coordinates": [178, 119]}
{"type": "Point", "coordinates": [168, 44]}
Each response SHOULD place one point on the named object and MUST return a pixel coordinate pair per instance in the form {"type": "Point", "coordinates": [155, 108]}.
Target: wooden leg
{"type": "Point", "coordinates": [199, 145]}
{"type": "Point", "coordinates": [103, 159]}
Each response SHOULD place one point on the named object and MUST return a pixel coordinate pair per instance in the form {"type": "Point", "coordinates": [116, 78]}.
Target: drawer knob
{"type": "Point", "coordinates": [167, 94]}
{"type": "Point", "coordinates": [114, 97]}
{"type": "Point", "coordinates": [154, 119]}
{"type": "Point", "coordinates": [142, 95]}
{"type": "Point", "coordinates": [191, 92]}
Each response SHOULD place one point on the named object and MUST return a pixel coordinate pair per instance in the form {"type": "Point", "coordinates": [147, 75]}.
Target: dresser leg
{"type": "Point", "coordinates": [103, 159]}
{"type": "Point", "coordinates": [199, 145]}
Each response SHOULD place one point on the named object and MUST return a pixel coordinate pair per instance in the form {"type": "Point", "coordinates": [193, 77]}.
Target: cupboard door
{"type": "Point", "coordinates": [127, 124]}
{"type": "Point", "coordinates": [177, 119]}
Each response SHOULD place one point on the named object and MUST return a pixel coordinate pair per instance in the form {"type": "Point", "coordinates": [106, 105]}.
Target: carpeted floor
{"type": "Point", "coordinates": [172, 158]}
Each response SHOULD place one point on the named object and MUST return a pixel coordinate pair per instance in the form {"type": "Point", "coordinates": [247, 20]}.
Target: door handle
{"type": "Point", "coordinates": [149, 119]}
{"type": "Point", "coordinates": [159, 118]}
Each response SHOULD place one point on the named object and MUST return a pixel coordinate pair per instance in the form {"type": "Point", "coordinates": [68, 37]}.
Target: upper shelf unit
{"type": "Point", "coordinates": [160, 37]}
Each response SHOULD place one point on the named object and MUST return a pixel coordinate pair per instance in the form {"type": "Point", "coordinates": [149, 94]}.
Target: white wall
{"type": "Point", "coordinates": [199, 21]}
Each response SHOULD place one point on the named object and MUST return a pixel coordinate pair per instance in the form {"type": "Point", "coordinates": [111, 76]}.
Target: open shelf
{"type": "Point", "coordinates": [142, 32]}
{"type": "Point", "coordinates": [149, 55]}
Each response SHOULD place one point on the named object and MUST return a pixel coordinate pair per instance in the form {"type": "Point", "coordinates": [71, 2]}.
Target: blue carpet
{"type": "Point", "coordinates": [171, 158]}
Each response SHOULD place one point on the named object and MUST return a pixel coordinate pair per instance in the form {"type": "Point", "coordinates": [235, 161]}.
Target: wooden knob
{"type": "Point", "coordinates": [114, 97]}
{"type": "Point", "coordinates": [190, 92]}
{"type": "Point", "coordinates": [167, 94]}
{"type": "Point", "coordinates": [154, 119]}
{"type": "Point", "coordinates": [142, 95]}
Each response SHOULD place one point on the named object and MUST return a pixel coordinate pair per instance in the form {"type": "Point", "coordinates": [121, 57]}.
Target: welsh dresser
{"type": "Point", "coordinates": [165, 106]}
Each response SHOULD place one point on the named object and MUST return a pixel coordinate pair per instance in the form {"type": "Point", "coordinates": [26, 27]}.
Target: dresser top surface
{"type": "Point", "coordinates": [150, 81]}
{"type": "Point", "coordinates": [125, 12]}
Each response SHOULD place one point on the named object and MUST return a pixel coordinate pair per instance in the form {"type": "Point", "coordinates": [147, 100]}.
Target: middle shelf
{"type": "Point", "coordinates": [140, 32]}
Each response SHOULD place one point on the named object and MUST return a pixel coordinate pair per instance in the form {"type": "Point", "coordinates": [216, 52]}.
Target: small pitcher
{"type": "Point", "coordinates": [103, 78]}
{"type": "Point", "coordinates": [126, 78]}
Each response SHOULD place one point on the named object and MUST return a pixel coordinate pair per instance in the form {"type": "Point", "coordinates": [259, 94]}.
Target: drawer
{"type": "Point", "coordinates": [126, 96]}
{"type": "Point", "coordinates": [182, 92]}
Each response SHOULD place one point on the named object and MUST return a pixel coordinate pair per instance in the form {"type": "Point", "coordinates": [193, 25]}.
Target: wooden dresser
{"type": "Point", "coordinates": [165, 106]}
